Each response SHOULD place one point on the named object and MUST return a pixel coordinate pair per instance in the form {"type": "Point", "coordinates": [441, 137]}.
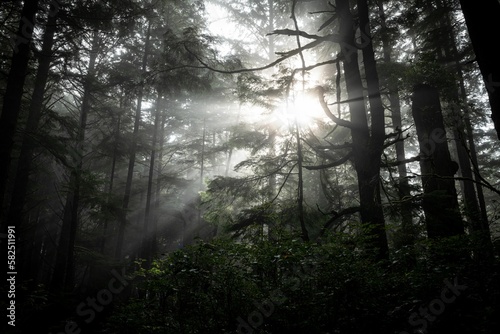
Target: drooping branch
{"type": "Point", "coordinates": [397, 140]}
{"type": "Point", "coordinates": [331, 164]}
{"type": "Point", "coordinates": [484, 184]}
{"type": "Point", "coordinates": [284, 56]}
{"type": "Point", "coordinates": [327, 111]}
{"type": "Point", "coordinates": [331, 146]}
{"type": "Point", "coordinates": [401, 162]}
{"type": "Point", "coordinates": [338, 215]}
{"type": "Point", "coordinates": [290, 32]}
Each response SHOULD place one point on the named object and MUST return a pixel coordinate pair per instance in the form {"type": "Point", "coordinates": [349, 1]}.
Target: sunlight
{"type": "Point", "coordinates": [303, 106]}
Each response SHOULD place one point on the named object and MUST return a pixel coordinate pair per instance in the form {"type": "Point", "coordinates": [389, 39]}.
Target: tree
{"type": "Point", "coordinates": [442, 213]}
{"type": "Point", "coordinates": [11, 107]}
{"type": "Point", "coordinates": [482, 23]}
{"type": "Point", "coordinates": [64, 267]}
{"type": "Point", "coordinates": [367, 147]}
{"type": "Point", "coordinates": [15, 214]}
{"type": "Point", "coordinates": [391, 82]}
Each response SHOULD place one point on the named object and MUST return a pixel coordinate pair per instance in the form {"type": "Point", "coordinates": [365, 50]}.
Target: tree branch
{"type": "Point", "coordinates": [289, 32]}
{"type": "Point", "coordinates": [331, 164]}
{"type": "Point", "coordinates": [397, 163]}
{"type": "Point", "coordinates": [284, 56]}
{"type": "Point", "coordinates": [337, 215]}
{"type": "Point", "coordinates": [339, 121]}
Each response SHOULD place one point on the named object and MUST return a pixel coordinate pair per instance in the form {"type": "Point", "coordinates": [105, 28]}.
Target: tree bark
{"type": "Point", "coordinates": [14, 91]}
{"type": "Point", "coordinates": [367, 149]}
{"type": "Point", "coordinates": [440, 204]}
{"type": "Point", "coordinates": [482, 24]}
{"type": "Point", "coordinates": [149, 238]}
{"type": "Point", "coordinates": [63, 275]}
{"type": "Point", "coordinates": [17, 202]}
{"type": "Point", "coordinates": [403, 187]}
{"type": "Point", "coordinates": [131, 163]}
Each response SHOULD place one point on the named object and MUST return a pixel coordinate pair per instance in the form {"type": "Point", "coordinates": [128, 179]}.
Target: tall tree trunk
{"type": "Point", "coordinates": [482, 24]}
{"type": "Point", "coordinates": [271, 131]}
{"type": "Point", "coordinates": [377, 130]}
{"type": "Point", "coordinates": [300, 157]}
{"type": "Point", "coordinates": [300, 186]}
{"type": "Point", "coordinates": [149, 238]}
{"type": "Point", "coordinates": [450, 51]}
{"type": "Point", "coordinates": [14, 92]}
{"type": "Point", "coordinates": [440, 204]}
{"type": "Point", "coordinates": [63, 275]}
{"type": "Point", "coordinates": [367, 150]}
{"type": "Point", "coordinates": [161, 143]}
{"type": "Point", "coordinates": [131, 163]}
{"type": "Point", "coordinates": [15, 212]}
{"type": "Point", "coordinates": [477, 178]}
{"type": "Point", "coordinates": [403, 187]}
{"type": "Point", "coordinates": [477, 220]}
{"type": "Point", "coordinates": [112, 172]}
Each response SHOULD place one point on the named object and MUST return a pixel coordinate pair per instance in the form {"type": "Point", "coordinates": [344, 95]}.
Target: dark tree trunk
{"type": "Point", "coordinates": [112, 172]}
{"type": "Point", "coordinates": [14, 91]}
{"type": "Point", "coordinates": [15, 213]}
{"type": "Point", "coordinates": [149, 238]}
{"type": "Point", "coordinates": [407, 236]}
{"type": "Point", "coordinates": [300, 186]}
{"type": "Point", "coordinates": [477, 220]}
{"type": "Point", "coordinates": [477, 178]}
{"type": "Point", "coordinates": [367, 149]}
{"type": "Point", "coordinates": [161, 143]}
{"type": "Point", "coordinates": [131, 163]}
{"type": "Point", "coordinates": [64, 269]}
{"type": "Point", "coordinates": [475, 205]}
{"type": "Point", "coordinates": [472, 211]}
{"type": "Point", "coordinates": [440, 202]}
{"type": "Point", "coordinates": [482, 24]}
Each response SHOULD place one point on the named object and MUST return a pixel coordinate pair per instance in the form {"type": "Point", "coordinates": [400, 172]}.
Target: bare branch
{"type": "Point", "coordinates": [284, 56]}
{"type": "Point", "coordinates": [327, 111]}
{"type": "Point", "coordinates": [392, 142]}
{"type": "Point", "coordinates": [290, 32]}
{"type": "Point", "coordinates": [338, 215]}
{"type": "Point", "coordinates": [331, 164]}
{"type": "Point", "coordinates": [401, 162]}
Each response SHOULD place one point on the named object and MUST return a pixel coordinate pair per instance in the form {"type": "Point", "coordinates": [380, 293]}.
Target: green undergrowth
{"type": "Point", "coordinates": [294, 287]}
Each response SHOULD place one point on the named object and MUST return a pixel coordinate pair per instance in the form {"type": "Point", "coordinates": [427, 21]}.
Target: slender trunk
{"type": "Point", "coordinates": [14, 91]}
{"type": "Point", "coordinates": [104, 235]}
{"type": "Point", "coordinates": [64, 268]}
{"type": "Point", "coordinates": [271, 37]}
{"type": "Point", "coordinates": [477, 178]}
{"type": "Point", "coordinates": [403, 187]}
{"type": "Point", "coordinates": [131, 164]}
{"type": "Point", "coordinates": [202, 173]}
{"type": "Point", "coordinates": [148, 237]}
{"type": "Point", "coordinates": [230, 154]}
{"type": "Point", "coordinates": [300, 158]}
{"type": "Point", "coordinates": [15, 212]}
{"type": "Point", "coordinates": [161, 141]}
{"type": "Point", "coordinates": [271, 131]}
{"type": "Point", "coordinates": [202, 162]}
{"type": "Point", "coordinates": [440, 204]}
{"type": "Point", "coordinates": [300, 186]}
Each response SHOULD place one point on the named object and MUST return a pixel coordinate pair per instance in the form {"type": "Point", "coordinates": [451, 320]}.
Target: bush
{"type": "Point", "coordinates": [292, 286]}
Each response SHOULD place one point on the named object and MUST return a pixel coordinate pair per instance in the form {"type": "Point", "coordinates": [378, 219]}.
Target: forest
{"type": "Point", "coordinates": [250, 166]}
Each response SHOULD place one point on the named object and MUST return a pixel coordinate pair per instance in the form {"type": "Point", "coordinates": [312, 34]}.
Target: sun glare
{"type": "Point", "coordinates": [303, 107]}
